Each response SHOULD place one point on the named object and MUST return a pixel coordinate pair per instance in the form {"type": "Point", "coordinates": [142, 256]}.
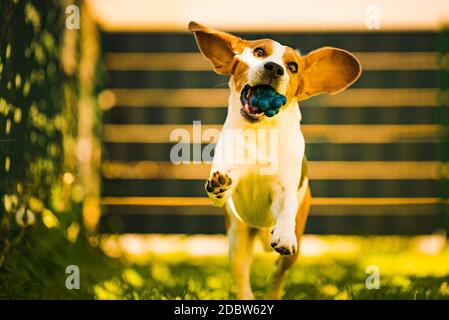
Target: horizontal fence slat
{"type": "Point", "coordinates": [208, 79]}
{"type": "Point", "coordinates": [335, 207]}
{"type": "Point", "coordinates": [310, 115]}
{"type": "Point", "coordinates": [214, 224]}
{"type": "Point", "coordinates": [317, 133]}
{"type": "Point", "coordinates": [204, 201]}
{"type": "Point", "coordinates": [320, 188]}
{"type": "Point", "coordinates": [217, 98]}
{"type": "Point", "coordinates": [373, 41]}
{"type": "Point", "coordinates": [316, 151]}
{"type": "Point", "coordinates": [317, 170]}
{"type": "Point", "coordinates": [188, 61]}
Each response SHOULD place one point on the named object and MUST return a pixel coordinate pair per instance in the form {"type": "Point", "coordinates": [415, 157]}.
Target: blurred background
{"type": "Point", "coordinates": [378, 152]}
{"type": "Point", "coordinates": [91, 90]}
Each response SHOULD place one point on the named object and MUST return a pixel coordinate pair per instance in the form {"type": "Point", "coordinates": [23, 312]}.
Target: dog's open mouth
{"type": "Point", "coordinates": [249, 110]}
{"type": "Point", "coordinates": [259, 101]}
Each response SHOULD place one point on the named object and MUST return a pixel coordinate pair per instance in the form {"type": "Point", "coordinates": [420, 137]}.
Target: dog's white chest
{"type": "Point", "coordinates": [251, 201]}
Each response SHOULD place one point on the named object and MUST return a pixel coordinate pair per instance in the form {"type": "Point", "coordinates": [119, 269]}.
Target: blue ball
{"type": "Point", "coordinates": [270, 113]}
{"type": "Point", "coordinates": [276, 103]}
{"type": "Point", "coordinates": [269, 92]}
{"type": "Point", "coordinates": [264, 104]}
{"type": "Point", "coordinates": [276, 111]}
{"type": "Point", "coordinates": [284, 99]}
{"type": "Point", "coordinates": [254, 100]}
{"type": "Point", "coordinates": [265, 91]}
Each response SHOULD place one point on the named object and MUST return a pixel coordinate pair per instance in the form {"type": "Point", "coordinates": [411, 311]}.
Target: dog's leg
{"type": "Point", "coordinates": [284, 208]}
{"type": "Point", "coordinates": [241, 241]}
{"type": "Point", "coordinates": [219, 188]}
{"type": "Point", "coordinates": [224, 175]}
{"type": "Point", "coordinates": [285, 262]}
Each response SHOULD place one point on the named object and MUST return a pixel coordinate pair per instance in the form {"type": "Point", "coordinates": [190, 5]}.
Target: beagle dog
{"type": "Point", "coordinates": [259, 170]}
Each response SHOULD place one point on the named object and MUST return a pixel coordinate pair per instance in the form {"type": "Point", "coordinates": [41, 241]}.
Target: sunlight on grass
{"type": "Point", "coordinates": [331, 267]}
{"type": "Point", "coordinates": [132, 277]}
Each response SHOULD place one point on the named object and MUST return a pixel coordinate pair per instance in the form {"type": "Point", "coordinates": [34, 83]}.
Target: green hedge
{"type": "Point", "coordinates": [39, 93]}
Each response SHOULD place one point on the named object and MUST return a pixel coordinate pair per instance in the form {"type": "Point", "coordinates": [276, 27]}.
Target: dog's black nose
{"type": "Point", "coordinates": [273, 69]}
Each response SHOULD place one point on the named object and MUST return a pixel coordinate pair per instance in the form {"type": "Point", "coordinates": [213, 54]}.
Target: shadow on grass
{"type": "Point", "coordinates": [35, 269]}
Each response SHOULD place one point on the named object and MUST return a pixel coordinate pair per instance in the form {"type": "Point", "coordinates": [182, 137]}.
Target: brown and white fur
{"type": "Point", "coordinates": [277, 202]}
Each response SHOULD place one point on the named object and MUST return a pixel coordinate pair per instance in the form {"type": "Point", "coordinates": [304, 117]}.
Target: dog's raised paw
{"type": "Point", "coordinates": [218, 184]}
{"type": "Point", "coordinates": [284, 242]}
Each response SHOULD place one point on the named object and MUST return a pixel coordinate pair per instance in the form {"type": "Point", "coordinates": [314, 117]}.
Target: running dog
{"type": "Point", "coordinates": [269, 197]}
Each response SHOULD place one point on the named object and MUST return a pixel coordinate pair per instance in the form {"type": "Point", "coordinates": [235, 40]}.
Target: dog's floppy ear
{"type": "Point", "coordinates": [219, 47]}
{"type": "Point", "coordinates": [328, 70]}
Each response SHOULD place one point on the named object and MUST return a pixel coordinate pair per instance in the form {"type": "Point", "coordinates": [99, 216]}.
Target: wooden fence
{"type": "Point", "coordinates": [378, 152]}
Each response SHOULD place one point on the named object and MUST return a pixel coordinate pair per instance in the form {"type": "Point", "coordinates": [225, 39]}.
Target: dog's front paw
{"type": "Point", "coordinates": [218, 184]}
{"type": "Point", "coordinates": [283, 240]}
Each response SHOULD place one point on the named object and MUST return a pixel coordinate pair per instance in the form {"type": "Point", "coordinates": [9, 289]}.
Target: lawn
{"type": "Point", "coordinates": [331, 268]}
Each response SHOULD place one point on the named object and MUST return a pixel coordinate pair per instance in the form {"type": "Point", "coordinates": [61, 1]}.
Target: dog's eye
{"type": "Point", "coordinates": [293, 67]}
{"type": "Point", "coordinates": [259, 52]}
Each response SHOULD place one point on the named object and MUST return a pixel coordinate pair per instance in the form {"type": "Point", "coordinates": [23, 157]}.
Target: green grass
{"type": "Point", "coordinates": [174, 277]}
{"type": "Point", "coordinates": [36, 270]}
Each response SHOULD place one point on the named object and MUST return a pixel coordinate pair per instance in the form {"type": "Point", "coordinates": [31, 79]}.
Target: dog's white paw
{"type": "Point", "coordinates": [283, 240]}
